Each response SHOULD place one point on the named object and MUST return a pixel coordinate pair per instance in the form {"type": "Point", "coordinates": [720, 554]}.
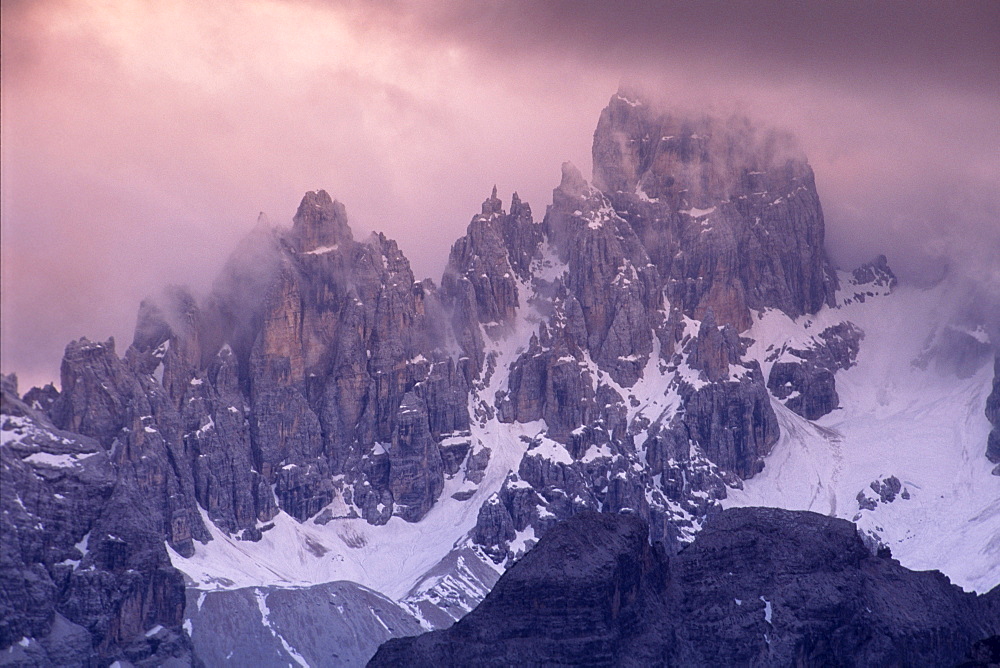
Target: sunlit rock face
{"type": "Point", "coordinates": [340, 333]}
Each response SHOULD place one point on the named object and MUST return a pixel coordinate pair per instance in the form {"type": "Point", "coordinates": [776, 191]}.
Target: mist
{"type": "Point", "coordinates": [141, 141]}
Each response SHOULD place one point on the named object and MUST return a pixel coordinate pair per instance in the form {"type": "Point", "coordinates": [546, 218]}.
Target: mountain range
{"type": "Point", "coordinates": [324, 452]}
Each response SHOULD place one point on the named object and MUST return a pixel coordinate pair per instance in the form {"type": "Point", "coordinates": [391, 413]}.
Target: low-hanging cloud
{"type": "Point", "coordinates": [141, 140]}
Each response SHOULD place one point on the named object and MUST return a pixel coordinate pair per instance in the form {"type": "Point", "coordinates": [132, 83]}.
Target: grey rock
{"type": "Point", "coordinates": [884, 489]}
{"type": "Point", "coordinates": [993, 415]}
{"type": "Point", "coordinates": [732, 421]}
{"type": "Point", "coordinates": [481, 257]}
{"type": "Point", "coordinates": [808, 387]}
{"type": "Point", "coordinates": [872, 279]}
{"type": "Point", "coordinates": [41, 398]}
{"type": "Point", "coordinates": [552, 384]}
{"type": "Point", "coordinates": [453, 454]}
{"type": "Point", "coordinates": [494, 529]}
{"type": "Point", "coordinates": [475, 467]}
{"type": "Point", "coordinates": [727, 212]}
{"type": "Point", "coordinates": [865, 502]}
{"type": "Point", "coordinates": [713, 350]}
{"type": "Point", "coordinates": [876, 273]}
{"type": "Point", "coordinates": [84, 574]}
{"type": "Point", "coordinates": [610, 276]}
{"type": "Point", "coordinates": [132, 416]}
{"type": "Point", "coordinates": [416, 472]}
{"type": "Point", "coordinates": [887, 488]}
{"type": "Point", "coordinates": [320, 222]}
{"type": "Point", "coordinates": [332, 624]}
{"type": "Point", "coordinates": [480, 282]}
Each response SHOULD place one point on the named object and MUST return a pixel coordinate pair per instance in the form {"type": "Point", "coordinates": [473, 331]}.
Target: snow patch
{"type": "Point", "coordinates": [55, 461]}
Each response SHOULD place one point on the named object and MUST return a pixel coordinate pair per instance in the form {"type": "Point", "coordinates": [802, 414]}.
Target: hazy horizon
{"type": "Point", "coordinates": [140, 141]}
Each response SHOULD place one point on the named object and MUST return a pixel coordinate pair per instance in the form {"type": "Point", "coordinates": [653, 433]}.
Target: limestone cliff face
{"type": "Point", "coordinates": [480, 282]}
{"type": "Point", "coordinates": [345, 332]}
{"type": "Point", "coordinates": [133, 417]}
{"type": "Point", "coordinates": [606, 325]}
{"type": "Point", "coordinates": [610, 276]}
{"type": "Point", "coordinates": [804, 378]}
{"type": "Point", "coordinates": [415, 465]}
{"type": "Point", "coordinates": [729, 215]}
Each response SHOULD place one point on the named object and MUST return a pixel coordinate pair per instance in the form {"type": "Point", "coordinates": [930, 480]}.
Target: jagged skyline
{"type": "Point", "coordinates": [153, 137]}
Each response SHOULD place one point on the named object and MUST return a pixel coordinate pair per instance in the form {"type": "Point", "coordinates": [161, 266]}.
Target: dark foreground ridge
{"type": "Point", "coordinates": [758, 586]}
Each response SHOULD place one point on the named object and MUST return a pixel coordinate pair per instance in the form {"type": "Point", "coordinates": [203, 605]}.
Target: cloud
{"type": "Point", "coordinates": [141, 140]}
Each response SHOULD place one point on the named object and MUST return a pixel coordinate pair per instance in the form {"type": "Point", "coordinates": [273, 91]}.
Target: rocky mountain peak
{"type": "Point", "coordinates": [572, 186]}
{"type": "Point", "coordinates": [492, 205]}
{"type": "Point", "coordinates": [589, 361]}
{"type": "Point", "coordinates": [727, 210]}
{"type": "Point", "coordinates": [320, 222]}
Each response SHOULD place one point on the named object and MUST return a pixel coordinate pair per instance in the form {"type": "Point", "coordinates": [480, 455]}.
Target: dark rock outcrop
{"type": "Point", "coordinates": [807, 385]}
{"type": "Point", "coordinates": [714, 349]}
{"type": "Point", "coordinates": [415, 467]}
{"type": "Point", "coordinates": [551, 384]}
{"type": "Point", "coordinates": [758, 586]}
{"type": "Point", "coordinates": [732, 421]}
{"type": "Point", "coordinates": [881, 490]}
{"type": "Point", "coordinates": [806, 389]}
{"type": "Point", "coordinates": [993, 415]}
{"type": "Point", "coordinates": [872, 279]}
{"type": "Point", "coordinates": [876, 273]}
{"type": "Point", "coordinates": [84, 574]}
{"type": "Point", "coordinates": [587, 586]}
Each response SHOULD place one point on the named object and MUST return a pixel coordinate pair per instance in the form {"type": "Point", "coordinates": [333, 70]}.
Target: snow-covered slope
{"type": "Point", "coordinates": [901, 415]}
{"type": "Point", "coordinates": [389, 559]}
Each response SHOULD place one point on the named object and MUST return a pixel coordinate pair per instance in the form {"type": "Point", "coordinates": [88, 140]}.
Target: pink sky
{"type": "Point", "coordinates": [140, 140]}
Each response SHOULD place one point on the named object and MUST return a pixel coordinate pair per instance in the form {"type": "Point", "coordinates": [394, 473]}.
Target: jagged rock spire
{"type": "Point", "coordinates": [493, 205]}
{"type": "Point", "coordinates": [320, 222]}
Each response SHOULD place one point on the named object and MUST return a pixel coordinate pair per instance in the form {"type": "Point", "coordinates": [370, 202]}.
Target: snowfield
{"type": "Point", "coordinates": [926, 427]}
